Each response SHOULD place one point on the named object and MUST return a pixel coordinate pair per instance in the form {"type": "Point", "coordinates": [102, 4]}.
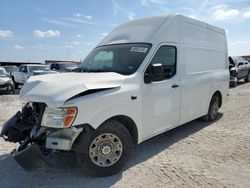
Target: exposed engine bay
{"type": "Point", "coordinates": [24, 125]}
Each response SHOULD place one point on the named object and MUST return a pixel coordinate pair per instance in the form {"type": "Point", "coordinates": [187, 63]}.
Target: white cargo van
{"type": "Point", "coordinates": [146, 77]}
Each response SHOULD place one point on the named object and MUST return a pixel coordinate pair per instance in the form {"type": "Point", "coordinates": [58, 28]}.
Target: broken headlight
{"type": "Point", "coordinates": [59, 117]}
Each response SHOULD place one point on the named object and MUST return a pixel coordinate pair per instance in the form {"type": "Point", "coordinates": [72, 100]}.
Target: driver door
{"type": "Point", "coordinates": [161, 100]}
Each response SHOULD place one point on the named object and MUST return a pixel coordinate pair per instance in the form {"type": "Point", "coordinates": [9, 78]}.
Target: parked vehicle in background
{"type": "Point", "coordinates": [10, 68]}
{"type": "Point", "coordinates": [239, 70]}
{"type": "Point", "coordinates": [6, 83]}
{"type": "Point", "coordinates": [63, 67]}
{"type": "Point", "coordinates": [27, 70]}
{"type": "Point", "coordinates": [144, 78]}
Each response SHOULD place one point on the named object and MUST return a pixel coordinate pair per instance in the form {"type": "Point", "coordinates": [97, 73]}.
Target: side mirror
{"type": "Point", "coordinates": [156, 74]}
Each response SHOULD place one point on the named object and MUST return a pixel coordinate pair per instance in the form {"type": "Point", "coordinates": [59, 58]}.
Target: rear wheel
{"type": "Point", "coordinates": [105, 150]}
{"type": "Point", "coordinates": [213, 109]}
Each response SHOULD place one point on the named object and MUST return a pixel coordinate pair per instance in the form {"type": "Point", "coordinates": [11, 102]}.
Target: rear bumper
{"type": "Point", "coordinates": [31, 158]}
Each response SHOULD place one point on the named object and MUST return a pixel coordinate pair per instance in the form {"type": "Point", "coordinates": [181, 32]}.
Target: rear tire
{"type": "Point", "coordinates": [106, 150]}
{"type": "Point", "coordinates": [213, 110]}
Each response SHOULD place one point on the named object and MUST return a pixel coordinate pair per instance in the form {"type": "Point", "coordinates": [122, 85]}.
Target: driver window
{"type": "Point", "coordinates": [166, 55]}
{"type": "Point", "coordinates": [25, 69]}
{"type": "Point", "coordinates": [103, 59]}
{"type": "Point", "coordinates": [21, 69]}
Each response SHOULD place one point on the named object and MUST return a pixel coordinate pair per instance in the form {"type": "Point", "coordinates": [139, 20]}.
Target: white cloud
{"type": "Point", "coordinates": [88, 17]}
{"type": "Point", "coordinates": [222, 12]}
{"type": "Point", "coordinates": [147, 2]}
{"type": "Point", "coordinates": [18, 47]}
{"type": "Point", "coordinates": [118, 9]}
{"type": "Point", "coordinates": [44, 34]}
{"type": "Point", "coordinates": [58, 22]}
{"type": "Point", "coordinates": [104, 34]}
{"type": "Point", "coordinates": [77, 15]}
{"type": "Point", "coordinates": [77, 20]}
{"type": "Point", "coordinates": [246, 14]}
{"type": "Point", "coordinates": [80, 36]}
{"type": "Point", "coordinates": [131, 15]}
{"type": "Point", "coordinates": [6, 33]}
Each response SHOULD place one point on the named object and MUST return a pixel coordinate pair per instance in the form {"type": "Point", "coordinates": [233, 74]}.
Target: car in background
{"type": "Point", "coordinates": [10, 68]}
{"type": "Point", "coordinates": [25, 71]}
{"type": "Point", "coordinates": [238, 71]}
{"type": "Point", "coordinates": [63, 67]}
{"type": "Point", "coordinates": [6, 83]}
{"type": "Point", "coordinates": [243, 71]}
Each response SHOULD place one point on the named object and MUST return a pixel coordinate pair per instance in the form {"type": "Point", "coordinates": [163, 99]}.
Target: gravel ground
{"type": "Point", "coordinates": [196, 154]}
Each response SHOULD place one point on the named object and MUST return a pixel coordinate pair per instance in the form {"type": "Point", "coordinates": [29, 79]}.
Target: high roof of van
{"type": "Point", "coordinates": [173, 28]}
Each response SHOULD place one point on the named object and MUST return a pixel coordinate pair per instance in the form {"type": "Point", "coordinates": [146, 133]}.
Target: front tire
{"type": "Point", "coordinates": [15, 83]}
{"type": "Point", "coordinates": [10, 89]}
{"type": "Point", "coordinates": [247, 78]}
{"type": "Point", "coordinates": [105, 150]}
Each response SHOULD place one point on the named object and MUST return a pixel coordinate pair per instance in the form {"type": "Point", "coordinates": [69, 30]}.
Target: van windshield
{"type": "Point", "coordinates": [120, 58]}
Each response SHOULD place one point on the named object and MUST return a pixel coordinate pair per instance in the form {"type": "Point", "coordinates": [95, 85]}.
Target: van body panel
{"type": "Point", "coordinates": [201, 70]}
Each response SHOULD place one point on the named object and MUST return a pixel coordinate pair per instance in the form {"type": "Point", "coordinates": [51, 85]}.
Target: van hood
{"type": "Point", "coordinates": [55, 89]}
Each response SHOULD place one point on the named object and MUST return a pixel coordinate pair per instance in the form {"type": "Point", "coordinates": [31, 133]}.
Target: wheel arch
{"type": "Point", "coordinates": [217, 93]}
{"type": "Point", "coordinates": [129, 124]}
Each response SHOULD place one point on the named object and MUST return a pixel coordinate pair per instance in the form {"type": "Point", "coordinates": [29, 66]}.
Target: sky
{"type": "Point", "coordinates": [33, 31]}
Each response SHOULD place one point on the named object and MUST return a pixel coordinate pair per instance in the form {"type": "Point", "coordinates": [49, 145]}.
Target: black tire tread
{"type": "Point", "coordinates": [208, 118]}
{"type": "Point", "coordinates": [84, 160]}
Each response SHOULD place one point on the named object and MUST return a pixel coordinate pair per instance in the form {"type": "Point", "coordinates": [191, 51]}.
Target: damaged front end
{"type": "Point", "coordinates": [25, 128]}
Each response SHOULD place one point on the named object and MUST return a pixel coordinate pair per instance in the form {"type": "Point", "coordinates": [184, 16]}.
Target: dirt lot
{"type": "Point", "coordinates": [196, 154]}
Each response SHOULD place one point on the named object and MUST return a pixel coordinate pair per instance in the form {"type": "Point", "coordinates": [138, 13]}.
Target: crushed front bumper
{"type": "Point", "coordinates": [30, 158]}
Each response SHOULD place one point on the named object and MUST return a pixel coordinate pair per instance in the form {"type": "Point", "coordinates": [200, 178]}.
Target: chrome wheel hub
{"type": "Point", "coordinates": [105, 150]}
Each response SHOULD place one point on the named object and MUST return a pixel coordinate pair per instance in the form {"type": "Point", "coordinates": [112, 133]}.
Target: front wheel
{"type": "Point", "coordinates": [105, 150]}
{"type": "Point", "coordinates": [10, 89]}
{"type": "Point", "coordinates": [213, 109]}
{"type": "Point", "coordinates": [15, 83]}
{"type": "Point", "coordinates": [247, 78]}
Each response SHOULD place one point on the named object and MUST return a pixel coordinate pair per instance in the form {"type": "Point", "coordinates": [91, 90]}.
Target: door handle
{"type": "Point", "coordinates": [175, 85]}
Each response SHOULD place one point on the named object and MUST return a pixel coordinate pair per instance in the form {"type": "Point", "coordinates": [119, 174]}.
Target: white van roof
{"type": "Point", "coordinates": [173, 28]}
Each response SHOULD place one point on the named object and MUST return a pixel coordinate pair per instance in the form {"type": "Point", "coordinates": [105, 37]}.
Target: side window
{"type": "Point", "coordinates": [57, 67]}
{"type": "Point", "coordinates": [25, 69]}
{"type": "Point", "coordinates": [20, 69]}
{"type": "Point", "coordinates": [166, 55]}
{"type": "Point", "coordinates": [52, 66]}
